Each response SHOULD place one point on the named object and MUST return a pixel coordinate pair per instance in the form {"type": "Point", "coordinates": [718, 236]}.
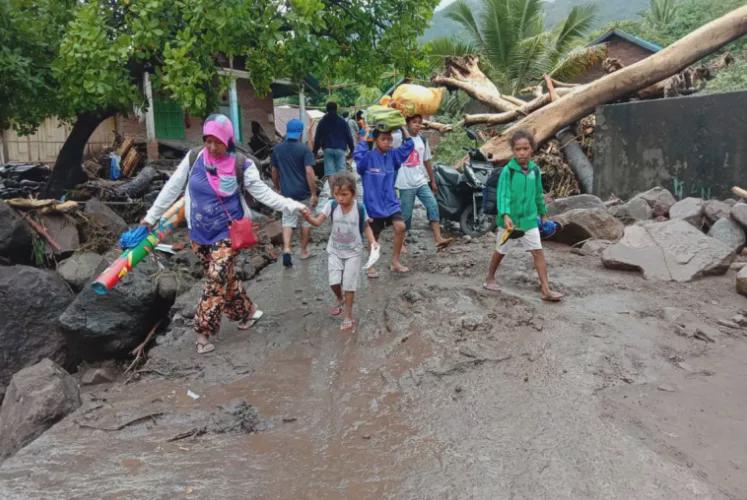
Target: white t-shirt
{"type": "Point", "coordinates": [345, 238]}
{"type": "Point", "coordinates": [412, 174]}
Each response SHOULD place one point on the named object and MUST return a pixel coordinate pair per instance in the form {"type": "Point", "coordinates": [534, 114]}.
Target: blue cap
{"type": "Point", "coordinates": [295, 129]}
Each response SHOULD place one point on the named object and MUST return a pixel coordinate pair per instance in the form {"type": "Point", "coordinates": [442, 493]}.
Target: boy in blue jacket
{"type": "Point", "coordinates": [378, 170]}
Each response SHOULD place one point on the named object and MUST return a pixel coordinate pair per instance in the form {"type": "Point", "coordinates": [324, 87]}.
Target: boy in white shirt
{"type": "Point", "coordinates": [415, 180]}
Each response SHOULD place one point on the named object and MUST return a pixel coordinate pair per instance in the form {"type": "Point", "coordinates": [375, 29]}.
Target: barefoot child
{"type": "Point", "coordinates": [345, 245]}
{"type": "Point", "coordinates": [520, 203]}
{"type": "Point", "coordinates": [378, 170]}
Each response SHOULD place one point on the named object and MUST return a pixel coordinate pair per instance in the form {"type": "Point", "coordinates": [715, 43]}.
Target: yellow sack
{"type": "Point", "coordinates": [417, 100]}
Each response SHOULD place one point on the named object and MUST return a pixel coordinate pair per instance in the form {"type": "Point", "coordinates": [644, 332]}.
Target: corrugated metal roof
{"type": "Point", "coordinates": [644, 44]}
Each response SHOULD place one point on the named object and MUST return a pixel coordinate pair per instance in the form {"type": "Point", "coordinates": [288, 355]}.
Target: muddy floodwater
{"type": "Point", "coordinates": [445, 390]}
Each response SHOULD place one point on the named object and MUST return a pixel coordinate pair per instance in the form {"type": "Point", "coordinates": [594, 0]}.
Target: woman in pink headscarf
{"type": "Point", "coordinates": [212, 199]}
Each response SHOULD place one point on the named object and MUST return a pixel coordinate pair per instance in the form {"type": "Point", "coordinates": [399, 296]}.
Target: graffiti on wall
{"type": "Point", "coordinates": [682, 189]}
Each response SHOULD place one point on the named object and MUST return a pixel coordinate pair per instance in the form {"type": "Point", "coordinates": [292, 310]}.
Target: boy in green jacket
{"type": "Point", "coordinates": [520, 202]}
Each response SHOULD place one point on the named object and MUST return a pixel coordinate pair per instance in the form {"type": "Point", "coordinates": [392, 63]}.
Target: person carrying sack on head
{"type": "Point", "coordinates": [213, 181]}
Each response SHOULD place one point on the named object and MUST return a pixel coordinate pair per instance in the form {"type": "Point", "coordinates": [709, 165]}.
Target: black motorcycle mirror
{"type": "Point", "coordinates": [471, 135]}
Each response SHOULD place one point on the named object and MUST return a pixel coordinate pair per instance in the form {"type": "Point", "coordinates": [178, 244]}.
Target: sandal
{"type": "Point", "coordinates": [492, 287]}
{"type": "Point", "coordinates": [335, 310]}
{"type": "Point", "coordinates": [348, 326]}
{"type": "Point", "coordinates": [373, 273]}
{"type": "Point", "coordinates": [553, 297]}
{"type": "Point", "coordinates": [401, 270]}
{"type": "Point", "coordinates": [256, 315]}
{"type": "Point", "coordinates": [204, 347]}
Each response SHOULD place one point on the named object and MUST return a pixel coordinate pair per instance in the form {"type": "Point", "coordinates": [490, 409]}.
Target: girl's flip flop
{"type": "Point", "coordinates": [335, 310]}
{"type": "Point", "coordinates": [256, 315]}
{"type": "Point", "coordinates": [348, 326]}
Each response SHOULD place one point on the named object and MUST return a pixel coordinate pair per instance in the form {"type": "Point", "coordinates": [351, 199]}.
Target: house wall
{"type": "Point", "coordinates": [46, 142]}
{"type": "Point", "coordinates": [693, 146]}
{"type": "Point", "coordinates": [628, 53]}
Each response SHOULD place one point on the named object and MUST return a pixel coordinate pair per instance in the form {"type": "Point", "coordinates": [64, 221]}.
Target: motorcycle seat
{"type": "Point", "coordinates": [450, 175]}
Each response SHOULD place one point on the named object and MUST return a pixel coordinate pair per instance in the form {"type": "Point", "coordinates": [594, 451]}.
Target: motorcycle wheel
{"type": "Point", "coordinates": [472, 227]}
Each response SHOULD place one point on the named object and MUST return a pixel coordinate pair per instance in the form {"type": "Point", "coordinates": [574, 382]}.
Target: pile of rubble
{"type": "Point", "coordinates": [655, 234]}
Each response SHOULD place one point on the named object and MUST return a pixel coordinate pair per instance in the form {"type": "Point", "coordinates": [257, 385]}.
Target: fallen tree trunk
{"type": "Point", "coordinates": [545, 122]}
{"type": "Point", "coordinates": [510, 116]}
{"type": "Point", "coordinates": [465, 74]}
{"type": "Point", "coordinates": [441, 128]}
{"type": "Point", "coordinates": [138, 185]}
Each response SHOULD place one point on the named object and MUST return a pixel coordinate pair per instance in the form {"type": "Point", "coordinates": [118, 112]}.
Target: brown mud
{"type": "Point", "coordinates": [444, 391]}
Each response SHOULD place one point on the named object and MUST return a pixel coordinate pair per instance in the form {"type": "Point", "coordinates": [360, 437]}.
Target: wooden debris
{"type": "Point", "coordinates": [41, 230]}
{"type": "Point", "coordinates": [464, 73]}
{"type": "Point", "coordinates": [130, 162]}
{"type": "Point", "coordinates": [125, 147]}
{"type": "Point", "coordinates": [136, 186]}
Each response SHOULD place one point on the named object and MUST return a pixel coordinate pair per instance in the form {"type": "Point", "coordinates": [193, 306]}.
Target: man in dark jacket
{"type": "Point", "coordinates": [333, 135]}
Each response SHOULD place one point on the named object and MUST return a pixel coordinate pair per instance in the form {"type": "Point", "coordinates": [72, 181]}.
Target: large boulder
{"type": "Point", "coordinates": [635, 210]}
{"type": "Point", "coordinates": [669, 251]}
{"type": "Point", "coordinates": [104, 326]}
{"type": "Point", "coordinates": [728, 232]}
{"type": "Point", "coordinates": [659, 199]}
{"type": "Point", "coordinates": [715, 210]}
{"type": "Point", "coordinates": [560, 205]}
{"type": "Point", "coordinates": [79, 269]}
{"type": "Point", "coordinates": [15, 237]}
{"type": "Point", "coordinates": [105, 216]}
{"type": "Point", "coordinates": [739, 213]}
{"type": "Point", "coordinates": [38, 396]}
{"type": "Point", "coordinates": [588, 223]}
{"type": "Point", "coordinates": [742, 281]}
{"type": "Point", "coordinates": [63, 232]}
{"type": "Point", "coordinates": [32, 301]}
{"type": "Point", "coordinates": [690, 210]}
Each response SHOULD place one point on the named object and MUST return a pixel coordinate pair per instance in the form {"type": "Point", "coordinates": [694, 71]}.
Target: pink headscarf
{"type": "Point", "coordinates": [220, 127]}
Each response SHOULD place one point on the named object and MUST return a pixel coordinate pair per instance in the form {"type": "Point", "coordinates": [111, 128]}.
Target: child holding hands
{"type": "Point", "coordinates": [345, 247]}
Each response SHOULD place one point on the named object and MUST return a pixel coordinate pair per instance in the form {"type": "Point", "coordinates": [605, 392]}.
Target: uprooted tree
{"type": "Point", "coordinates": [84, 61]}
{"type": "Point", "coordinates": [557, 105]}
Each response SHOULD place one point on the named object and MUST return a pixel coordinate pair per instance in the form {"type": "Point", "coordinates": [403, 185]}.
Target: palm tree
{"type": "Point", "coordinates": [514, 47]}
{"type": "Point", "coordinates": [661, 13]}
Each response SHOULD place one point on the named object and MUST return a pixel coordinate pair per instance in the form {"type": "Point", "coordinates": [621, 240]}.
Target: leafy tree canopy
{"type": "Point", "coordinates": [71, 57]}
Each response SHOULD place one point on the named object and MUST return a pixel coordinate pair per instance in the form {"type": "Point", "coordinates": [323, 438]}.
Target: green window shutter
{"type": "Point", "coordinates": [169, 119]}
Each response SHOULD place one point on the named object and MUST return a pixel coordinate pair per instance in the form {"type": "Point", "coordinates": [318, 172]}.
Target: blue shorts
{"type": "Point", "coordinates": [426, 197]}
{"type": "Point", "coordinates": [334, 161]}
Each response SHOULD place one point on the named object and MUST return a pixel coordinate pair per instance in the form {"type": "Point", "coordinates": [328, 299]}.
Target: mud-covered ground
{"type": "Point", "coordinates": [444, 391]}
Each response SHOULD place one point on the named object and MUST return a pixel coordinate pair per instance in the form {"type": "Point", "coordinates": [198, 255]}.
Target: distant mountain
{"type": "Point", "coordinates": [607, 10]}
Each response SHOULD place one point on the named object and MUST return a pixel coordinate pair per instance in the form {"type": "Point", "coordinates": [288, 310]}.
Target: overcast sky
{"type": "Point", "coordinates": [444, 3]}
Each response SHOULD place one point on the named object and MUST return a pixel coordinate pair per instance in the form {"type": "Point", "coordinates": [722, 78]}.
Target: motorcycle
{"type": "Point", "coordinates": [460, 194]}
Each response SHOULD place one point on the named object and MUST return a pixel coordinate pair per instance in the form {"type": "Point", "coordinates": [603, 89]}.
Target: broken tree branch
{"type": "Point", "coordinates": [465, 74]}
{"type": "Point", "coordinates": [442, 128]}
{"type": "Point", "coordinates": [544, 123]}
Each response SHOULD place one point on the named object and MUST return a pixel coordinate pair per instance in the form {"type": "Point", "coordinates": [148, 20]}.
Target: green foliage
{"type": "Point", "coordinates": [661, 13]}
{"type": "Point", "coordinates": [73, 56]}
{"type": "Point", "coordinates": [729, 79]}
{"type": "Point", "coordinates": [450, 148]}
{"type": "Point", "coordinates": [30, 33]}
{"type": "Point", "coordinates": [515, 48]}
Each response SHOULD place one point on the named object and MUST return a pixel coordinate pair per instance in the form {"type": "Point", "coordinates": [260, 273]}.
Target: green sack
{"type": "Point", "coordinates": [384, 118]}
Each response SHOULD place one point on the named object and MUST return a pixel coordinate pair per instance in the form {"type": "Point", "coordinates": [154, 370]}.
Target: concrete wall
{"type": "Point", "coordinates": [693, 146]}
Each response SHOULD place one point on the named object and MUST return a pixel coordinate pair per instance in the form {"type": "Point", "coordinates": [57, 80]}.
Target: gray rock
{"type": "Point", "coordinates": [739, 213]}
{"type": "Point", "coordinates": [15, 237]}
{"type": "Point", "coordinates": [104, 373]}
{"type": "Point", "coordinates": [584, 224]}
{"type": "Point", "coordinates": [80, 268]}
{"type": "Point", "coordinates": [171, 284]}
{"type": "Point", "coordinates": [32, 301]}
{"type": "Point", "coordinates": [105, 216]}
{"type": "Point", "coordinates": [105, 326]}
{"type": "Point", "coordinates": [742, 281]}
{"type": "Point", "coordinates": [730, 201]}
{"type": "Point", "coordinates": [715, 210]}
{"type": "Point", "coordinates": [729, 232]}
{"type": "Point", "coordinates": [593, 248]}
{"type": "Point", "coordinates": [669, 251]}
{"type": "Point", "coordinates": [37, 397]}
{"type": "Point", "coordinates": [63, 231]}
{"type": "Point", "coordinates": [690, 210]}
{"type": "Point", "coordinates": [560, 205]}
{"type": "Point", "coordinates": [634, 210]}
{"type": "Point", "coordinates": [658, 197]}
